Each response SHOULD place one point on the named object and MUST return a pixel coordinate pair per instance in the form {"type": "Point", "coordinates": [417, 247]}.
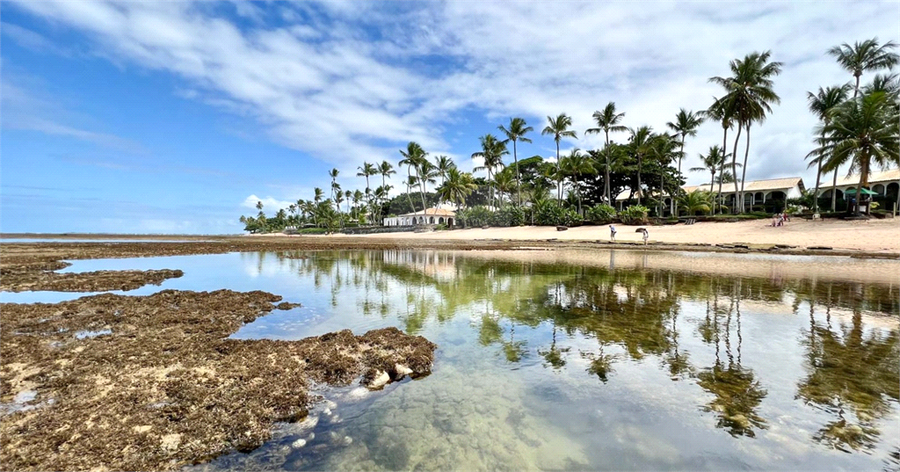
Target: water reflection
{"type": "Point", "coordinates": [596, 329]}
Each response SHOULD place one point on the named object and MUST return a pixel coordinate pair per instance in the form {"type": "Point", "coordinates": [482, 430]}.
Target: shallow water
{"type": "Point", "coordinates": [549, 365]}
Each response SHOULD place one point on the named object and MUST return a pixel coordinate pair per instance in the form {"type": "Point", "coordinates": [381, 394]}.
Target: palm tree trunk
{"type": "Point", "coordinates": [518, 185]}
{"type": "Point", "coordinates": [863, 180]}
{"type": "Point", "coordinates": [712, 178]}
{"type": "Point", "coordinates": [608, 196]}
{"type": "Point", "coordinates": [722, 166]}
{"type": "Point", "coordinates": [734, 168]}
{"type": "Point", "coordinates": [412, 208]}
{"type": "Point", "coordinates": [818, 179]}
{"type": "Point", "coordinates": [558, 177]}
{"type": "Point", "coordinates": [834, 191]}
{"type": "Point", "coordinates": [640, 162]}
{"type": "Point", "coordinates": [744, 170]}
{"type": "Point", "coordinates": [577, 192]}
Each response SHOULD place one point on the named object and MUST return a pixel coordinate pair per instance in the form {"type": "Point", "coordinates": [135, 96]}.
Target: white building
{"type": "Point", "coordinates": [431, 216]}
{"type": "Point", "coordinates": [756, 192]}
{"type": "Point", "coordinates": [885, 184]}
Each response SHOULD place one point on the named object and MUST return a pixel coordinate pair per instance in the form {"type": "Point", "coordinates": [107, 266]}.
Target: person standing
{"type": "Point", "coordinates": [612, 233]}
{"type": "Point", "coordinates": [646, 235]}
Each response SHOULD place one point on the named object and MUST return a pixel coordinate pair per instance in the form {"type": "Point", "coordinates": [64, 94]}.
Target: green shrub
{"type": "Point", "coordinates": [634, 215]}
{"type": "Point", "coordinates": [475, 216]}
{"type": "Point", "coordinates": [509, 215]}
{"type": "Point", "coordinates": [313, 231]}
{"type": "Point", "coordinates": [600, 214]}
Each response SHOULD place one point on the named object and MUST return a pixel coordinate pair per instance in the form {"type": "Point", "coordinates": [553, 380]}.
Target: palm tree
{"type": "Point", "coordinates": [385, 169]}
{"type": "Point", "coordinates": [415, 158]}
{"type": "Point", "coordinates": [516, 132]}
{"type": "Point", "coordinates": [686, 124]}
{"type": "Point", "coordinates": [559, 128]}
{"type": "Point", "coordinates": [864, 56]}
{"type": "Point", "coordinates": [863, 132]}
{"type": "Point", "coordinates": [821, 105]}
{"type": "Point", "coordinates": [457, 187]}
{"type": "Point", "coordinates": [333, 173]}
{"type": "Point", "coordinates": [427, 175]}
{"type": "Point", "coordinates": [663, 150]}
{"type": "Point", "coordinates": [748, 97]}
{"type": "Point", "coordinates": [504, 182]}
{"type": "Point", "coordinates": [443, 164]}
{"type": "Point", "coordinates": [712, 161]}
{"type": "Point", "coordinates": [696, 201]}
{"type": "Point", "coordinates": [720, 113]}
{"type": "Point", "coordinates": [492, 151]}
{"type": "Point", "coordinates": [641, 143]}
{"type": "Point", "coordinates": [607, 120]}
{"type": "Point", "coordinates": [574, 165]}
{"type": "Point", "coordinates": [367, 170]}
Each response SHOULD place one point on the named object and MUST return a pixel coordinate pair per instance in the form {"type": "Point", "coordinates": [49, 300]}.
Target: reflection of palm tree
{"type": "Point", "coordinates": [554, 356]}
{"type": "Point", "coordinates": [853, 376]}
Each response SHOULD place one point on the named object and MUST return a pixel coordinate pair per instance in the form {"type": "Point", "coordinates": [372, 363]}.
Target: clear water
{"type": "Point", "coordinates": [612, 363]}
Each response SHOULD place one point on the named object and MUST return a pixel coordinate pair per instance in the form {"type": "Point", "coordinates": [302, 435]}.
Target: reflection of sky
{"type": "Point", "coordinates": [642, 417]}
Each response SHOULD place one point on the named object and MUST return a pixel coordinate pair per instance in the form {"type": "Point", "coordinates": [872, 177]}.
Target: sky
{"type": "Point", "coordinates": [177, 117]}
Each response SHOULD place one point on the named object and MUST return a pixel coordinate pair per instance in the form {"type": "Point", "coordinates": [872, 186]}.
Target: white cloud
{"type": "Point", "coordinates": [356, 81]}
{"type": "Point", "coordinates": [270, 205]}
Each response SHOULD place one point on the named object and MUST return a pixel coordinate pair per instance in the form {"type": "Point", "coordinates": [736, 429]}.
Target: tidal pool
{"type": "Point", "coordinates": [583, 359]}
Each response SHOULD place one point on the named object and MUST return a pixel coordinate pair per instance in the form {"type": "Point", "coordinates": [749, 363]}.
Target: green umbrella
{"type": "Point", "coordinates": [865, 191]}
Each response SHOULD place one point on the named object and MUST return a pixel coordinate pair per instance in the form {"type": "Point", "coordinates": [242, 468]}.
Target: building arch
{"type": "Point", "coordinates": [879, 189]}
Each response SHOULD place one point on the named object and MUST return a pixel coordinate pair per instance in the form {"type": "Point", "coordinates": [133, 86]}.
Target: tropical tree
{"type": "Point", "coordinates": [443, 164]}
{"type": "Point", "coordinates": [641, 144]}
{"type": "Point", "coordinates": [457, 187]}
{"type": "Point", "coordinates": [492, 151]}
{"type": "Point", "coordinates": [386, 170]}
{"type": "Point", "coordinates": [516, 132]}
{"type": "Point", "coordinates": [862, 132]}
{"type": "Point", "coordinates": [865, 56]}
{"type": "Point", "coordinates": [748, 97]}
{"type": "Point", "coordinates": [575, 165]}
{"type": "Point", "coordinates": [685, 124]}
{"type": "Point", "coordinates": [559, 128]}
{"type": "Point", "coordinates": [719, 112]}
{"type": "Point", "coordinates": [333, 173]}
{"type": "Point", "coordinates": [712, 162]}
{"type": "Point", "coordinates": [415, 158]}
{"type": "Point", "coordinates": [698, 201]}
{"type": "Point", "coordinates": [366, 170]}
{"type": "Point", "coordinates": [664, 149]}
{"type": "Point", "coordinates": [821, 104]}
{"type": "Point", "coordinates": [607, 120]}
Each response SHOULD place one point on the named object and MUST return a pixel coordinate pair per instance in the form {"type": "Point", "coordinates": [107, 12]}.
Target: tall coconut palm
{"type": "Point", "coordinates": [664, 150]}
{"type": "Point", "coordinates": [641, 143]}
{"type": "Point", "coordinates": [862, 132]}
{"type": "Point", "coordinates": [386, 170]}
{"type": "Point", "coordinates": [712, 162]}
{"type": "Point", "coordinates": [821, 104]}
{"type": "Point", "coordinates": [749, 94]}
{"type": "Point", "coordinates": [366, 170]}
{"type": "Point", "coordinates": [333, 173]}
{"type": "Point", "coordinates": [492, 151]}
{"type": "Point", "coordinates": [720, 113]}
{"type": "Point", "coordinates": [415, 158]}
{"type": "Point", "coordinates": [685, 124]}
{"type": "Point", "coordinates": [516, 132]}
{"type": "Point", "coordinates": [575, 165]}
{"type": "Point", "coordinates": [559, 128]}
{"type": "Point", "coordinates": [427, 175]}
{"type": "Point", "coordinates": [443, 164]}
{"type": "Point", "coordinates": [865, 56]}
{"type": "Point", "coordinates": [607, 120]}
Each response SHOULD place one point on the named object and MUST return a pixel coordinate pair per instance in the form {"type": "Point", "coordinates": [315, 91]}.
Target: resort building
{"type": "Point", "coordinates": [430, 216]}
{"type": "Point", "coordinates": [885, 184]}
{"type": "Point", "coordinates": [757, 193]}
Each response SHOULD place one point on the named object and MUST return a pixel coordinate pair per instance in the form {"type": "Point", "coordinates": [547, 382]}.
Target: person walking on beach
{"type": "Point", "coordinates": [612, 233]}
{"type": "Point", "coordinates": [646, 235]}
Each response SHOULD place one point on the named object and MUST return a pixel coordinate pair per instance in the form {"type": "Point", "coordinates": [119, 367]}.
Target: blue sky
{"type": "Point", "coordinates": [175, 117]}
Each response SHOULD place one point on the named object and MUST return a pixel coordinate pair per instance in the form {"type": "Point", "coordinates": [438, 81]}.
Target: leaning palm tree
{"type": "Point", "coordinates": [607, 120]}
{"type": "Point", "coordinates": [516, 132]}
{"type": "Point", "coordinates": [863, 132]}
{"type": "Point", "coordinates": [748, 95]}
{"type": "Point", "coordinates": [685, 124]}
{"type": "Point", "coordinates": [559, 128]}
{"type": "Point", "coordinates": [821, 104]}
{"type": "Point", "coordinates": [865, 56]}
{"type": "Point", "coordinates": [712, 161]}
{"type": "Point", "coordinates": [641, 143]}
{"type": "Point", "coordinates": [492, 151]}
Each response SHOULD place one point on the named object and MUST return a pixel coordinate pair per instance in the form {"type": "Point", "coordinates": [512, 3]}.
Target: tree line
{"type": "Point", "coordinates": [857, 133]}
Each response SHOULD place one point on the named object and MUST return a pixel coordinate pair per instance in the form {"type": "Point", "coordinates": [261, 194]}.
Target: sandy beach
{"type": "Point", "coordinates": [870, 236]}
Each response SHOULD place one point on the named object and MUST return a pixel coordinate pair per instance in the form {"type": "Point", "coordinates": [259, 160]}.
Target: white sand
{"type": "Point", "coordinates": [872, 235]}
